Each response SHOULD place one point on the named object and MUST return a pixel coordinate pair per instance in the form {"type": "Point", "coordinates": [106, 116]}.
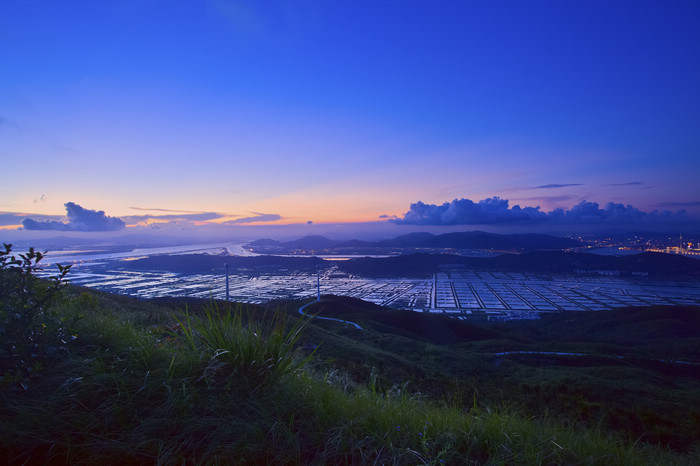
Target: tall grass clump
{"type": "Point", "coordinates": [243, 349]}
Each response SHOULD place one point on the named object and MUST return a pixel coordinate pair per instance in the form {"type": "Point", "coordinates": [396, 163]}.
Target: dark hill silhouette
{"type": "Point", "coordinates": [421, 265]}
{"type": "Point", "coordinates": [411, 240]}
{"type": "Point", "coordinates": [483, 240]}
{"type": "Point", "coordinates": [437, 329]}
{"type": "Point", "coordinates": [311, 242]}
{"type": "Point", "coordinates": [632, 325]}
{"type": "Point", "coordinates": [461, 240]}
{"type": "Point", "coordinates": [265, 242]}
{"type": "Point", "coordinates": [653, 327]}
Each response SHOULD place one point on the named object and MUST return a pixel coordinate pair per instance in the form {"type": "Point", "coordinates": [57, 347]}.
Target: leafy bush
{"type": "Point", "coordinates": [29, 332]}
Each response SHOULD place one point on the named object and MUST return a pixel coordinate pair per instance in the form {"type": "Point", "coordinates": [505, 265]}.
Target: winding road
{"type": "Point", "coordinates": [301, 311]}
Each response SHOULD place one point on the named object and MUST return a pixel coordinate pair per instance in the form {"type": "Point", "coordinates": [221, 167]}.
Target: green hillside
{"type": "Point", "coordinates": [99, 378]}
{"type": "Point", "coordinates": [633, 371]}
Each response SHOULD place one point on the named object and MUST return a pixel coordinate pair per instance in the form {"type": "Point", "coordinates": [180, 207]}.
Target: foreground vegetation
{"type": "Point", "coordinates": [147, 382]}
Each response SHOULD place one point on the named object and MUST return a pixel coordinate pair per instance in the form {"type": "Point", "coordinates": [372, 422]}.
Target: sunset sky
{"type": "Point", "coordinates": [404, 113]}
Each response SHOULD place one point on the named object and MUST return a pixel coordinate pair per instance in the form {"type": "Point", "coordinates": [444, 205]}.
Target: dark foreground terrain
{"type": "Point", "coordinates": [634, 371]}
{"type": "Point", "coordinates": [120, 380]}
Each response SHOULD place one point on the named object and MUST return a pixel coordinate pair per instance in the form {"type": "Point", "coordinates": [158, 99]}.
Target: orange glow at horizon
{"type": "Point", "coordinates": [350, 200]}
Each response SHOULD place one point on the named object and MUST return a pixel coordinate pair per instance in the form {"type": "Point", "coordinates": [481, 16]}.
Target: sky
{"type": "Point", "coordinates": [387, 116]}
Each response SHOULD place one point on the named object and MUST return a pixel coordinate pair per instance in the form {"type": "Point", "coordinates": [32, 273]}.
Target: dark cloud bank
{"type": "Point", "coordinates": [554, 186]}
{"type": "Point", "coordinates": [495, 211]}
{"type": "Point", "coordinates": [258, 217]}
{"type": "Point", "coordinates": [79, 219]}
{"type": "Point", "coordinates": [196, 217]}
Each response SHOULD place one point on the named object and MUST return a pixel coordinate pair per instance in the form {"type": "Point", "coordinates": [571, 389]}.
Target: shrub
{"type": "Point", "coordinates": [29, 332]}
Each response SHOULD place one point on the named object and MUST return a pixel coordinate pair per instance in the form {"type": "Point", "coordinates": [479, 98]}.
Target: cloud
{"type": "Point", "coordinates": [79, 219]}
{"type": "Point", "coordinates": [198, 217]}
{"type": "Point", "coordinates": [11, 218]}
{"type": "Point", "coordinates": [631, 183]}
{"type": "Point", "coordinates": [8, 123]}
{"type": "Point", "coordinates": [466, 212]}
{"type": "Point", "coordinates": [15, 218]}
{"type": "Point", "coordinates": [553, 186]}
{"type": "Point", "coordinates": [257, 218]}
{"type": "Point", "coordinates": [176, 215]}
{"type": "Point", "coordinates": [158, 209]}
{"type": "Point", "coordinates": [679, 204]}
{"type": "Point", "coordinates": [494, 211]}
{"type": "Point", "coordinates": [550, 199]}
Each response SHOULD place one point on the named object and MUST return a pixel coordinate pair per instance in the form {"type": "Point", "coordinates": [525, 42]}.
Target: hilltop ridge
{"type": "Point", "coordinates": [419, 240]}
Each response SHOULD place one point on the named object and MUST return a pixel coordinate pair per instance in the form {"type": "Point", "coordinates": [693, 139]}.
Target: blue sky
{"type": "Point", "coordinates": [226, 114]}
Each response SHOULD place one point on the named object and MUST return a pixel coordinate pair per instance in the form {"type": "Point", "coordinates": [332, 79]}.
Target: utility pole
{"type": "Point", "coordinates": [226, 267]}
{"type": "Point", "coordinates": [318, 283]}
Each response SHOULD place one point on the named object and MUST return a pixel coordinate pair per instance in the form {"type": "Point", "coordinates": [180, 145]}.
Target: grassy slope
{"type": "Point", "coordinates": [130, 391]}
{"type": "Point", "coordinates": [637, 397]}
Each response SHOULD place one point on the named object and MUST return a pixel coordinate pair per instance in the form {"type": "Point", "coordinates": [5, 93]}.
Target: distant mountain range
{"type": "Point", "coordinates": [416, 241]}
{"type": "Point", "coordinates": [557, 262]}
{"type": "Point", "coordinates": [423, 265]}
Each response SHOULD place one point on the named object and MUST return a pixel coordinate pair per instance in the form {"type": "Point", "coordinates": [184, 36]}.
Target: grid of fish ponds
{"type": "Point", "coordinates": [459, 292]}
